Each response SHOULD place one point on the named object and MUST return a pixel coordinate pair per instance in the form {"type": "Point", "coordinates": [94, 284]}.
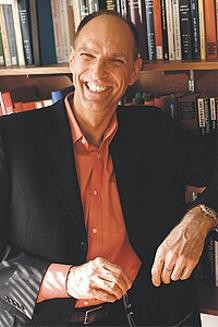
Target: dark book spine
{"type": "Point", "coordinates": [122, 7]}
{"type": "Point", "coordinates": [201, 116]}
{"type": "Point", "coordinates": [34, 31]}
{"type": "Point", "coordinates": [23, 9]}
{"type": "Point", "coordinates": [46, 32]}
{"type": "Point", "coordinates": [111, 5]}
{"type": "Point", "coordinates": [2, 59]}
{"type": "Point", "coordinates": [171, 108]}
{"type": "Point", "coordinates": [136, 15]}
{"type": "Point", "coordinates": [207, 115]}
{"type": "Point", "coordinates": [164, 30]}
{"type": "Point", "coordinates": [7, 9]}
{"type": "Point", "coordinates": [195, 30]}
{"type": "Point", "coordinates": [149, 18]}
{"type": "Point", "coordinates": [186, 29]}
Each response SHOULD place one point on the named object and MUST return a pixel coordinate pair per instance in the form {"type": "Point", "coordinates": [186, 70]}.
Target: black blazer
{"type": "Point", "coordinates": [41, 215]}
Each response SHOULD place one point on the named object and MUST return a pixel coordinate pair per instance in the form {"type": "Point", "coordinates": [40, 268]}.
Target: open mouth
{"type": "Point", "coordinates": [95, 87]}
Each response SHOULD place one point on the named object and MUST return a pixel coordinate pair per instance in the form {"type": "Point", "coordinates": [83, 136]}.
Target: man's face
{"type": "Point", "coordinates": [103, 64]}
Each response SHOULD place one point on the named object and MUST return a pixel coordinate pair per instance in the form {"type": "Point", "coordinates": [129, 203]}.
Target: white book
{"type": "Point", "coordinates": [169, 16]}
{"type": "Point", "coordinates": [18, 33]}
{"type": "Point", "coordinates": [57, 30]}
{"type": "Point", "coordinates": [176, 30]}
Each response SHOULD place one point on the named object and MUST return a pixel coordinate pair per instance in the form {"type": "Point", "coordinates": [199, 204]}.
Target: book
{"type": "Point", "coordinates": [202, 29]}
{"type": "Point", "coordinates": [18, 33]}
{"type": "Point", "coordinates": [171, 108]}
{"type": "Point", "coordinates": [186, 29]}
{"type": "Point", "coordinates": [201, 116]}
{"type": "Point", "coordinates": [34, 31]}
{"type": "Point", "coordinates": [2, 60]}
{"type": "Point", "coordinates": [45, 33]}
{"type": "Point", "coordinates": [76, 12]}
{"type": "Point", "coordinates": [136, 14]}
{"type": "Point", "coordinates": [23, 9]}
{"type": "Point", "coordinates": [213, 113]}
{"type": "Point", "coordinates": [150, 34]}
{"type": "Point", "coordinates": [187, 106]}
{"type": "Point", "coordinates": [176, 29]}
{"type": "Point", "coordinates": [210, 29]}
{"type": "Point", "coordinates": [111, 5]}
{"type": "Point", "coordinates": [84, 8]}
{"type": "Point", "coordinates": [93, 5]}
{"type": "Point", "coordinates": [9, 23]}
{"type": "Point", "coordinates": [170, 32]}
{"type": "Point", "coordinates": [57, 95]}
{"type": "Point", "coordinates": [122, 8]}
{"type": "Point", "coordinates": [164, 30]}
{"type": "Point", "coordinates": [6, 103]}
{"type": "Point", "coordinates": [158, 29]}
{"type": "Point", "coordinates": [195, 30]}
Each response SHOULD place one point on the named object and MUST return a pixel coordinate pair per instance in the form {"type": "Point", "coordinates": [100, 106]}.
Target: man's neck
{"type": "Point", "coordinates": [93, 126]}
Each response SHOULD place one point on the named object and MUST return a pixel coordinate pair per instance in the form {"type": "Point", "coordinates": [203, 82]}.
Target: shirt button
{"type": "Point", "coordinates": [99, 156]}
{"type": "Point", "coordinates": [95, 192]}
{"type": "Point", "coordinates": [94, 231]}
{"type": "Point", "coordinates": [83, 141]}
{"type": "Point", "coordinates": [86, 302]}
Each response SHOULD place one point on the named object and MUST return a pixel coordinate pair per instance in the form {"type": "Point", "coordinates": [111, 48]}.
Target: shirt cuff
{"type": "Point", "coordinates": [53, 283]}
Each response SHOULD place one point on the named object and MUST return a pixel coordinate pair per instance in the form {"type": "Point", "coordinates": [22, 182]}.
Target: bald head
{"type": "Point", "coordinates": [112, 17]}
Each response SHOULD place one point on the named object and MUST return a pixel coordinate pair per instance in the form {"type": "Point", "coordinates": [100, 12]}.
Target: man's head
{"type": "Point", "coordinates": [104, 62]}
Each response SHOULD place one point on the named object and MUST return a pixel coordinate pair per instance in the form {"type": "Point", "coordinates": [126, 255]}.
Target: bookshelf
{"type": "Point", "coordinates": [147, 66]}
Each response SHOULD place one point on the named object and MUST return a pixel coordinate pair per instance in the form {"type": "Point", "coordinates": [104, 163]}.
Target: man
{"type": "Point", "coordinates": [91, 195]}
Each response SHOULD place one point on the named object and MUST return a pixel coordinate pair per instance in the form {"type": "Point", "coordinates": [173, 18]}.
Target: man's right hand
{"type": "Point", "coordinates": [97, 279]}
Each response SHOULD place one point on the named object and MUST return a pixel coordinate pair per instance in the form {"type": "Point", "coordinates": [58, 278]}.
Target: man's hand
{"type": "Point", "coordinates": [98, 279]}
{"type": "Point", "coordinates": [180, 252]}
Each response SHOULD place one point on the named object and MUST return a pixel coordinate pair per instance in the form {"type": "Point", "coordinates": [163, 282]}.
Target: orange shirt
{"type": "Point", "coordinates": [106, 230]}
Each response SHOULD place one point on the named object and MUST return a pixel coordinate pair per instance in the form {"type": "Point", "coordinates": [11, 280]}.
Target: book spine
{"type": "Point", "coordinates": [217, 20]}
{"type": "Point", "coordinates": [201, 116]}
{"type": "Point", "coordinates": [18, 33]}
{"type": "Point", "coordinates": [93, 6]}
{"type": "Point", "coordinates": [65, 29]}
{"type": "Point", "coordinates": [171, 108]}
{"type": "Point", "coordinates": [76, 12]}
{"type": "Point", "coordinates": [111, 5]}
{"type": "Point", "coordinates": [195, 29]}
{"type": "Point", "coordinates": [45, 32]}
{"type": "Point", "coordinates": [158, 29]}
{"type": "Point", "coordinates": [202, 29]}
{"type": "Point", "coordinates": [6, 103]}
{"type": "Point", "coordinates": [149, 18]}
{"type": "Point", "coordinates": [216, 111]}
{"type": "Point", "coordinates": [170, 32]}
{"type": "Point", "coordinates": [207, 115]}
{"type": "Point", "coordinates": [56, 19]}
{"type": "Point", "coordinates": [25, 29]}
{"type": "Point", "coordinates": [84, 8]}
{"type": "Point", "coordinates": [186, 29]}
{"type": "Point", "coordinates": [121, 6]}
{"type": "Point", "coordinates": [164, 30]}
{"type": "Point", "coordinates": [136, 15]}
{"type": "Point", "coordinates": [176, 30]}
{"type": "Point", "coordinates": [7, 55]}
{"type": "Point", "coordinates": [34, 31]}
{"type": "Point", "coordinates": [2, 60]}
{"type": "Point", "coordinates": [7, 9]}
{"type": "Point", "coordinates": [210, 29]}
{"type": "Point", "coordinates": [213, 112]}
{"type": "Point", "coordinates": [216, 263]}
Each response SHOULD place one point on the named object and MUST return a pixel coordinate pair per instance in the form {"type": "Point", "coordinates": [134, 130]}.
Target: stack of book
{"type": "Point", "coordinates": [41, 32]}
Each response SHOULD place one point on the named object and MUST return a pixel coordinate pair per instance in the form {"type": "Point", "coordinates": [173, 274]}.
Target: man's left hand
{"type": "Point", "coordinates": [180, 252]}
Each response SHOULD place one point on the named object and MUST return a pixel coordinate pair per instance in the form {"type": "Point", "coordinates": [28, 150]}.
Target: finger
{"type": "Point", "coordinates": [178, 269]}
{"type": "Point", "coordinates": [102, 296]}
{"type": "Point", "coordinates": [118, 272]}
{"type": "Point", "coordinates": [166, 274]}
{"type": "Point", "coordinates": [186, 272]}
{"type": "Point", "coordinates": [108, 287]}
{"type": "Point", "coordinates": [156, 270]}
{"type": "Point", "coordinates": [116, 279]}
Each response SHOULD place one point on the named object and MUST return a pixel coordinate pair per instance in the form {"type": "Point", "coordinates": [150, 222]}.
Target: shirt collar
{"type": "Point", "coordinates": [77, 134]}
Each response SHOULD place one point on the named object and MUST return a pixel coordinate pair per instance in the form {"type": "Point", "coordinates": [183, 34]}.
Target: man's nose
{"type": "Point", "coordinates": [99, 69]}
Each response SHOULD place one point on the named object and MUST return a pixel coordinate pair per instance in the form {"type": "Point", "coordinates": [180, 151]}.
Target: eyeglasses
{"type": "Point", "coordinates": [129, 313]}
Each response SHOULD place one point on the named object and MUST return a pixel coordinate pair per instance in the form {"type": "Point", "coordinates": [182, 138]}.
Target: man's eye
{"type": "Point", "coordinates": [117, 61]}
{"type": "Point", "coordinates": [86, 55]}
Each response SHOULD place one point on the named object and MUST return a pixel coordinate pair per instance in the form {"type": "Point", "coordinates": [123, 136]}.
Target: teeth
{"type": "Point", "coordinates": [96, 88]}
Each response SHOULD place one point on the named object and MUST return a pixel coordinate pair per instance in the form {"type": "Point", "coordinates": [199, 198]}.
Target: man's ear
{"type": "Point", "coordinates": [136, 71]}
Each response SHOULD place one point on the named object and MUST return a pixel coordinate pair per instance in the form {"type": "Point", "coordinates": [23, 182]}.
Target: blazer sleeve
{"type": "Point", "coordinates": [20, 272]}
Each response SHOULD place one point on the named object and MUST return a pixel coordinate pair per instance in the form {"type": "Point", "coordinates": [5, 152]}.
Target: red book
{"type": "Point", "coordinates": [18, 106]}
{"type": "Point", "coordinates": [210, 29]}
{"type": "Point", "coordinates": [158, 28]}
{"type": "Point", "coordinates": [6, 103]}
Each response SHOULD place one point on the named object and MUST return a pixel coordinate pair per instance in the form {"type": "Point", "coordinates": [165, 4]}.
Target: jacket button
{"type": "Point", "coordinates": [83, 245]}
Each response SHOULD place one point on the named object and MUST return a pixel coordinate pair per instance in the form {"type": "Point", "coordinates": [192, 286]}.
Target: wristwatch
{"type": "Point", "coordinates": [209, 212]}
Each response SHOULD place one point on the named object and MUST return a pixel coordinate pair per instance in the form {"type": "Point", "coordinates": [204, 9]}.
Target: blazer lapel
{"type": "Point", "coordinates": [56, 149]}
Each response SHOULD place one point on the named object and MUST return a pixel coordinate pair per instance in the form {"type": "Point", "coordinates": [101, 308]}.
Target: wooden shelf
{"type": "Point", "coordinates": [147, 66]}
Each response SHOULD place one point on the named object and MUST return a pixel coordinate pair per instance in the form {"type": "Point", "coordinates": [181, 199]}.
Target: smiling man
{"type": "Point", "coordinates": [93, 222]}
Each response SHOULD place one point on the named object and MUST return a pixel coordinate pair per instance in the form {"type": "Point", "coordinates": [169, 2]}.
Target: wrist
{"type": "Point", "coordinates": [211, 214]}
